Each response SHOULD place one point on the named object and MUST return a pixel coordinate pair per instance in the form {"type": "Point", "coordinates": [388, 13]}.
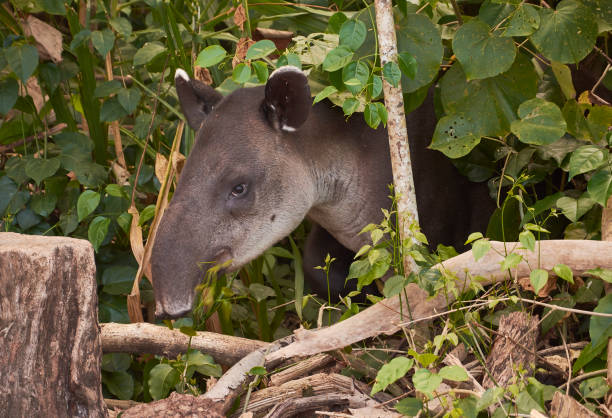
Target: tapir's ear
{"type": "Point", "coordinates": [287, 101]}
{"type": "Point", "coordinates": [196, 98]}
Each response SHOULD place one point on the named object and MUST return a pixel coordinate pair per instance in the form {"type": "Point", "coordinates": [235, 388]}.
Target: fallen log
{"type": "Point", "coordinates": [49, 336]}
{"type": "Point", "coordinates": [386, 316]}
{"type": "Point", "coordinates": [142, 338]}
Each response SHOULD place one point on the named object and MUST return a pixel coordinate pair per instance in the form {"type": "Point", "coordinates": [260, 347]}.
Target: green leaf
{"type": "Point", "coordinates": [572, 208]}
{"type": "Point", "coordinates": [455, 135]}
{"type": "Point", "coordinates": [564, 272]}
{"type": "Point", "coordinates": [261, 70]}
{"type": "Point", "coordinates": [103, 41]}
{"type": "Point", "coordinates": [426, 381]}
{"type": "Point", "coordinates": [98, 228]}
{"type": "Point", "coordinates": [480, 248]}
{"type": "Point", "coordinates": [107, 88]}
{"type": "Point", "coordinates": [355, 76]}
{"type": "Point", "coordinates": [149, 51]}
{"type": "Point", "coordinates": [488, 398]}
{"type": "Point", "coordinates": [112, 110]}
{"type": "Point", "coordinates": [129, 99]}
{"type": "Point", "coordinates": [600, 186]}
{"type": "Point", "coordinates": [390, 372]}
{"type": "Point", "coordinates": [43, 204]}
{"type": "Point", "coordinates": [258, 371]}
{"type": "Point", "coordinates": [7, 190]}
{"type": "Point", "coordinates": [260, 49]}
{"type": "Point", "coordinates": [488, 105]}
{"type": "Point", "coordinates": [118, 279]}
{"type": "Point", "coordinates": [371, 115]}
{"type": "Point", "coordinates": [538, 279]}
{"type": "Point", "coordinates": [375, 86]}
{"type": "Point", "coordinates": [122, 26]}
{"type": "Point", "coordinates": [586, 158]}
{"type": "Point", "coordinates": [418, 36]}
{"type": "Point", "coordinates": [81, 37]}
{"type": "Point", "coordinates": [120, 384]}
{"type": "Point", "coordinates": [524, 21]}
{"type": "Point", "coordinates": [349, 106]}
{"type": "Point", "coordinates": [567, 34]}
{"type": "Point", "coordinates": [23, 60]}
{"type": "Point", "coordinates": [564, 78]}
{"type": "Point", "coordinates": [26, 219]}
{"type": "Point", "coordinates": [54, 7]}
{"type": "Point", "coordinates": [323, 94]}
{"type": "Point", "coordinates": [407, 64]}
{"type": "Point", "coordinates": [603, 274]}
{"type": "Point", "coordinates": [116, 362]}
{"type": "Point", "coordinates": [87, 203]}
{"type": "Point", "coordinates": [9, 91]}
{"type": "Point", "coordinates": [392, 73]}
{"type": "Point", "coordinates": [473, 237]}
{"type": "Point", "coordinates": [454, 373]}
{"type": "Point", "coordinates": [528, 240]}
{"type": "Point", "coordinates": [541, 123]}
{"type": "Point", "coordinates": [241, 73]}
{"type": "Point", "coordinates": [337, 58]}
{"type": "Point", "coordinates": [261, 292]}
{"type": "Point", "coordinates": [409, 406]}
{"type": "Point", "coordinates": [481, 53]}
{"type": "Point", "coordinates": [394, 285]}
{"type": "Point", "coordinates": [162, 378]}
{"type": "Point", "coordinates": [352, 34]}
{"type": "Point", "coordinates": [511, 261]}
{"type": "Point", "coordinates": [335, 22]}
{"type": "Point", "coordinates": [600, 328]}
{"type": "Point", "coordinates": [594, 388]}
{"type": "Point", "coordinates": [382, 112]}
{"type": "Point", "coordinates": [39, 169]}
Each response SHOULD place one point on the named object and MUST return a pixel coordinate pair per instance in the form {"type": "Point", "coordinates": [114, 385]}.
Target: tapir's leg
{"type": "Point", "coordinates": [318, 244]}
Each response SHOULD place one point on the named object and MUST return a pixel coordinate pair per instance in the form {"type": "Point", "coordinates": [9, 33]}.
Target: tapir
{"type": "Point", "coordinates": [265, 158]}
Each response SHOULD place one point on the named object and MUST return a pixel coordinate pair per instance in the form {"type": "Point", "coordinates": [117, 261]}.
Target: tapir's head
{"type": "Point", "coordinates": [244, 186]}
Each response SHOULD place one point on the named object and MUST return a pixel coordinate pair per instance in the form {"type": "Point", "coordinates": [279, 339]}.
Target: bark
{"type": "Point", "coordinates": [300, 369]}
{"type": "Point", "coordinates": [176, 406]}
{"type": "Point", "coordinates": [300, 406]}
{"type": "Point", "coordinates": [389, 315]}
{"type": "Point", "coordinates": [148, 338]}
{"type": "Point", "coordinates": [514, 349]}
{"type": "Point", "coordinates": [396, 127]}
{"type": "Point", "coordinates": [51, 351]}
{"type": "Point", "coordinates": [606, 235]}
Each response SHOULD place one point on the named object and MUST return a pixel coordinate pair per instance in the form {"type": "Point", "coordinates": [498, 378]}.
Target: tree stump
{"type": "Point", "coordinates": [514, 349]}
{"type": "Point", "coordinates": [49, 334]}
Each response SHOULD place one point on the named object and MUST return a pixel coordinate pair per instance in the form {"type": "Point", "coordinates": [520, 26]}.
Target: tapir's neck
{"type": "Point", "coordinates": [348, 164]}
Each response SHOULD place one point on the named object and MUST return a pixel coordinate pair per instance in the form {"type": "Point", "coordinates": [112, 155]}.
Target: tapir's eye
{"type": "Point", "coordinates": [239, 190]}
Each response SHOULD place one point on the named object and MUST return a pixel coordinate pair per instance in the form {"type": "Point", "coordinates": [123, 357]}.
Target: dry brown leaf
{"type": "Point", "coordinates": [241, 49]}
{"type": "Point", "coordinates": [178, 162]}
{"type": "Point", "coordinates": [33, 89]}
{"type": "Point", "coordinates": [48, 39]}
{"type": "Point", "coordinates": [240, 17]}
{"type": "Point", "coordinates": [136, 235]}
{"type": "Point", "coordinates": [202, 74]}
{"type": "Point", "coordinates": [161, 164]}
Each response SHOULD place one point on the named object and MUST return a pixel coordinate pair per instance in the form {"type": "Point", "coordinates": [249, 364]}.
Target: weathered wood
{"type": "Point", "coordinates": [298, 407]}
{"type": "Point", "coordinates": [142, 338]}
{"type": "Point", "coordinates": [301, 368]}
{"type": "Point", "coordinates": [514, 349]}
{"type": "Point", "coordinates": [316, 385]}
{"type": "Point", "coordinates": [564, 406]}
{"type": "Point", "coordinates": [49, 335]}
{"type": "Point", "coordinates": [386, 316]}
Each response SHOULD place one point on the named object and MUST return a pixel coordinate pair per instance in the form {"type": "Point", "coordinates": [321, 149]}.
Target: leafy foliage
{"type": "Point", "coordinates": [513, 110]}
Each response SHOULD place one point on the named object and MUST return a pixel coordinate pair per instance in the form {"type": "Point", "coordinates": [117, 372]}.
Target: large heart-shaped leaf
{"type": "Point", "coordinates": [41, 168]}
{"type": "Point", "coordinates": [541, 122]}
{"type": "Point", "coordinates": [566, 34]}
{"type": "Point", "coordinates": [482, 53]}
{"type": "Point", "coordinates": [23, 60]}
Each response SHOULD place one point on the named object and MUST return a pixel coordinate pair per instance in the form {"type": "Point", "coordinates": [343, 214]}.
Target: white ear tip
{"type": "Point", "coordinates": [180, 73]}
{"type": "Point", "coordinates": [285, 69]}
{"type": "Point", "coordinates": [288, 128]}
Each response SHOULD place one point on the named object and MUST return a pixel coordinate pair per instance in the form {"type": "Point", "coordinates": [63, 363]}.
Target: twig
{"type": "Point", "coordinates": [52, 131]}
